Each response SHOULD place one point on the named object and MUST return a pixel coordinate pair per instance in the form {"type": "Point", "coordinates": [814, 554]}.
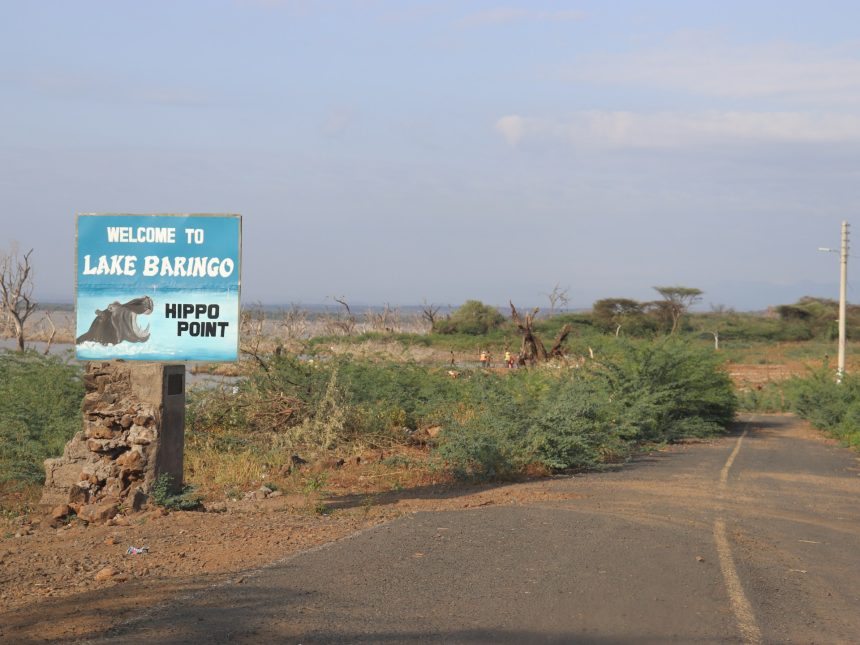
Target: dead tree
{"type": "Point", "coordinates": [338, 324]}
{"type": "Point", "coordinates": [558, 296]}
{"type": "Point", "coordinates": [387, 320]}
{"type": "Point", "coordinates": [294, 322]}
{"type": "Point", "coordinates": [345, 325]}
{"type": "Point", "coordinates": [53, 332]}
{"type": "Point", "coordinates": [429, 314]}
{"type": "Point", "coordinates": [563, 333]}
{"type": "Point", "coordinates": [532, 349]}
{"type": "Point", "coordinates": [16, 290]}
{"type": "Point", "coordinates": [252, 322]}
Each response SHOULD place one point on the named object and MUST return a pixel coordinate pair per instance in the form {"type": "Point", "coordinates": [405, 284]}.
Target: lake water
{"type": "Point", "coordinates": [67, 350]}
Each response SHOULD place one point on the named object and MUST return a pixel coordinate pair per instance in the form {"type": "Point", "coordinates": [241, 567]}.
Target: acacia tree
{"type": "Point", "coordinates": [613, 313]}
{"type": "Point", "coordinates": [473, 317]}
{"type": "Point", "coordinates": [677, 300]}
{"type": "Point", "coordinates": [16, 290]}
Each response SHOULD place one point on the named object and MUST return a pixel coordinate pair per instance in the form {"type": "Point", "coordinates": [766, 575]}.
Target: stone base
{"type": "Point", "coordinates": [117, 456]}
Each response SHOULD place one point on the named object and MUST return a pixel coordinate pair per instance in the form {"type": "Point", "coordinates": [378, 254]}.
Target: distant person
{"type": "Point", "coordinates": [452, 358]}
{"type": "Point", "coordinates": [509, 359]}
{"type": "Point", "coordinates": [484, 358]}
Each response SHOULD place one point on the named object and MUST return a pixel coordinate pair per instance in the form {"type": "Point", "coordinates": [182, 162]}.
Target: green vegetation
{"type": "Point", "coordinates": [495, 424]}
{"type": "Point", "coordinates": [767, 398]}
{"type": "Point", "coordinates": [475, 326]}
{"type": "Point", "coordinates": [40, 410]}
{"type": "Point", "coordinates": [326, 402]}
{"type": "Point", "coordinates": [583, 418]}
{"type": "Point", "coordinates": [808, 319]}
{"type": "Point", "coordinates": [162, 494]}
{"type": "Point", "coordinates": [828, 405]}
{"type": "Point", "coordinates": [639, 373]}
{"type": "Point", "coordinates": [473, 318]}
{"type": "Point", "coordinates": [628, 381]}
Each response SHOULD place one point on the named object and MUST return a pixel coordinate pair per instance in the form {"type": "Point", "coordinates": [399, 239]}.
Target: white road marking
{"type": "Point", "coordinates": [724, 473]}
{"type": "Point", "coordinates": [741, 606]}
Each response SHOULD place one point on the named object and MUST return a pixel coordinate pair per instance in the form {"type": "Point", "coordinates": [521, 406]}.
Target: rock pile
{"type": "Point", "coordinates": [112, 462]}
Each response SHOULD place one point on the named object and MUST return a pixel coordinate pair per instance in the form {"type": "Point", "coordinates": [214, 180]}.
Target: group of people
{"type": "Point", "coordinates": [486, 360]}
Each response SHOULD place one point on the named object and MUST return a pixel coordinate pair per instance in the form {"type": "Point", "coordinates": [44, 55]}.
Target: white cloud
{"type": "Point", "coordinates": [621, 129]}
{"type": "Point", "coordinates": [701, 65]}
{"type": "Point", "coordinates": [512, 128]}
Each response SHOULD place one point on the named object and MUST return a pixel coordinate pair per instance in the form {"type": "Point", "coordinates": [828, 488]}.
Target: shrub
{"type": "Point", "coordinates": [162, 495]}
{"type": "Point", "coordinates": [40, 410]}
{"type": "Point", "coordinates": [583, 418]}
{"type": "Point", "coordinates": [828, 405]}
{"type": "Point", "coordinates": [473, 318]}
{"type": "Point", "coordinates": [329, 403]}
{"type": "Point", "coordinates": [578, 426]}
{"type": "Point", "coordinates": [671, 389]}
{"type": "Point", "coordinates": [495, 425]}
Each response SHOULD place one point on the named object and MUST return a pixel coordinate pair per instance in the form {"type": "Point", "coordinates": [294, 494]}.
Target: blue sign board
{"type": "Point", "coordinates": [158, 287]}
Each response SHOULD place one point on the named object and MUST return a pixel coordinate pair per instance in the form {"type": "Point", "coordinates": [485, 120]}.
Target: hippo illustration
{"type": "Point", "coordinates": [118, 323]}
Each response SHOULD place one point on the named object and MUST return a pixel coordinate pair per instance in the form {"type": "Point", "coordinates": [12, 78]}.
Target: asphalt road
{"type": "Point", "coordinates": [751, 538]}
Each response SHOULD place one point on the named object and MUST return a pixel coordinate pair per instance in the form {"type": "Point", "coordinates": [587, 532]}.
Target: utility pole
{"type": "Point", "coordinates": [843, 287]}
{"type": "Point", "coordinates": [843, 284]}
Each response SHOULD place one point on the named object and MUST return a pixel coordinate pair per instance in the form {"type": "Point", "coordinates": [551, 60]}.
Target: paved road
{"type": "Point", "coordinates": [752, 538]}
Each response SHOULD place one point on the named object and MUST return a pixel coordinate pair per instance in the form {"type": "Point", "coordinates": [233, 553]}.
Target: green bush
{"type": "Point", "coordinates": [828, 405]}
{"type": "Point", "coordinates": [671, 389]}
{"type": "Point", "coordinates": [578, 426]}
{"type": "Point", "coordinates": [329, 402]}
{"type": "Point", "coordinates": [495, 424]}
{"type": "Point", "coordinates": [40, 410]}
{"type": "Point", "coordinates": [473, 318]}
{"type": "Point", "coordinates": [162, 494]}
{"type": "Point", "coordinates": [583, 418]}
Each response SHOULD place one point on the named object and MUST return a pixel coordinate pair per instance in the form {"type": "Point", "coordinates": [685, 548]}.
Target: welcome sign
{"type": "Point", "coordinates": [158, 287]}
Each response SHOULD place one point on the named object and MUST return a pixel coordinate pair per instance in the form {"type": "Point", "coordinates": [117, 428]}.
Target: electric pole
{"type": "Point", "coordinates": [843, 284]}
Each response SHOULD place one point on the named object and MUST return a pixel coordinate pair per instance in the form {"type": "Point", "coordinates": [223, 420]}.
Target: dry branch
{"type": "Point", "coordinates": [16, 289]}
{"type": "Point", "coordinates": [532, 348]}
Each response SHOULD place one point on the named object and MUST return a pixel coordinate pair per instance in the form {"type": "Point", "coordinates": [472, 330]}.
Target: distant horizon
{"type": "Point", "coordinates": [359, 307]}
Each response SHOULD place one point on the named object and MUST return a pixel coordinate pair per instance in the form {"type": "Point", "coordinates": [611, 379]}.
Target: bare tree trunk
{"type": "Point", "coordinates": [53, 332]}
{"type": "Point", "coordinates": [347, 326]}
{"type": "Point", "coordinates": [16, 288]}
{"type": "Point", "coordinates": [19, 332]}
{"type": "Point", "coordinates": [563, 333]}
{"type": "Point", "coordinates": [532, 348]}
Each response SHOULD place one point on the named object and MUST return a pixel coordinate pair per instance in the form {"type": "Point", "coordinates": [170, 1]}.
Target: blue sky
{"type": "Point", "coordinates": [396, 151]}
